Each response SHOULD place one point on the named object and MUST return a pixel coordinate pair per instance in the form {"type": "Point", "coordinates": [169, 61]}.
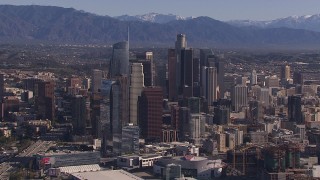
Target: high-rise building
{"type": "Point", "coordinates": [44, 99]}
{"type": "Point", "coordinates": [263, 96]}
{"type": "Point", "coordinates": [148, 67]}
{"type": "Point", "coordinates": [119, 63]}
{"type": "Point", "coordinates": [136, 86]}
{"type": "Point", "coordinates": [294, 109]}
{"type": "Point", "coordinates": [184, 120]}
{"type": "Point", "coordinates": [298, 78]}
{"type": "Point", "coordinates": [79, 115]}
{"type": "Point", "coordinates": [181, 43]}
{"type": "Point", "coordinates": [150, 113]}
{"type": "Point", "coordinates": [97, 76]}
{"type": "Point", "coordinates": [186, 82]}
{"type": "Point", "coordinates": [196, 127]}
{"type": "Point", "coordinates": [222, 115]}
{"type": "Point", "coordinates": [218, 63]}
{"type": "Point", "coordinates": [285, 73]}
{"type": "Point", "coordinates": [1, 87]}
{"type": "Point", "coordinates": [272, 81]}
{"type": "Point", "coordinates": [209, 84]}
{"type": "Point", "coordinates": [239, 97]}
{"type": "Point", "coordinates": [253, 78]}
{"type": "Point", "coordinates": [172, 82]}
{"type": "Point", "coordinates": [120, 110]}
{"type": "Point", "coordinates": [130, 139]}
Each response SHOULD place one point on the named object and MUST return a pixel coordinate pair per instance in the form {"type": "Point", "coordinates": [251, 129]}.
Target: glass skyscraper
{"type": "Point", "coordinates": [119, 63]}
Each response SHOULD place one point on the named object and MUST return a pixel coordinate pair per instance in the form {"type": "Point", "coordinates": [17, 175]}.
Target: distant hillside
{"type": "Point", "coordinates": [153, 17]}
{"type": "Point", "coordinates": [67, 25]}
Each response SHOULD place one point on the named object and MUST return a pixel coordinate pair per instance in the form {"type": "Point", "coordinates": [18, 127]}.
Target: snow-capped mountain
{"type": "Point", "coordinates": [153, 17]}
{"type": "Point", "coordinates": [308, 22]}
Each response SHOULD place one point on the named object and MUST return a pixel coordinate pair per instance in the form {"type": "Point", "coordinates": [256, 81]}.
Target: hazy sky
{"type": "Point", "coordinates": [217, 9]}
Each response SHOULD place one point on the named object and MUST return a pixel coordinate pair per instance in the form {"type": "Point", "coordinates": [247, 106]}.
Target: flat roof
{"type": "Point", "coordinates": [103, 175]}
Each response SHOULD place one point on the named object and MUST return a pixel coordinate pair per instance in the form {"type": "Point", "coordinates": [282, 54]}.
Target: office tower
{"type": "Point", "coordinates": [230, 140]}
{"type": "Point", "coordinates": [174, 113]}
{"type": "Point", "coordinates": [172, 82]}
{"type": "Point", "coordinates": [79, 115]}
{"type": "Point", "coordinates": [184, 120]}
{"type": "Point", "coordinates": [130, 139]}
{"type": "Point", "coordinates": [221, 142]}
{"type": "Point", "coordinates": [218, 63]}
{"type": "Point", "coordinates": [1, 87]}
{"type": "Point", "coordinates": [196, 127]}
{"type": "Point", "coordinates": [148, 67]}
{"type": "Point", "coordinates": [239, 97]}
{"type": "Point", "coordinates": [256, 111]}
{"type": "Point", "coordinates": [96, 80]}
{"type": "Point", "coordinates": [229, 82]}
{"type": "Point", "coordinates": [285, 73]}
{"type": "Point", "coordinates": [150, 113]}
{"type": "Point", "coordinates": [119, 63]}
{"type": "Point", "coordinates": [136, 86]}
{"type": "Point", "coordinates": [209, 84]}
{"type": "Point", "coordinates": [263, 96]}
{"type": "Point", "coordinates": [298, 78]}
{"type": "Point", "coordinates": [272, 81]}
{"type": "Point", "coordinates": [180, 44]}
{"type": "Point", "coordinates": [74, 82]}
{"type": "Point", "coordinates": [253, 78]}
{"type": "Point", "coordinates": [196, 77]}
{"type": "Point", "coordinates": [222, 115]}
{"type": "Point", "coordinates": [194, 104]}
{"type": "Point", "coordinates": [44, 99]}
{"type": "Point", "coordinates": [120, 110]}
{"type": "Point", "coordinates": [102, 127]}
{"type": "Point", "coordinates": [294, 109]}
{"type": "Point", "coordinates": [186, 82]}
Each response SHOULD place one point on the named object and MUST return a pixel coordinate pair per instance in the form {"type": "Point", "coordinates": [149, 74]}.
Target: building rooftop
{"type": "Point", "coordinates": [109, 174]}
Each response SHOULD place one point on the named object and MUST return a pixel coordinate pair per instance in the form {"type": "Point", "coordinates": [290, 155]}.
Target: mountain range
{"type": "Point", "coordinates": [153, 17]}
{"type": "Point", "coordinates": [48, 24]}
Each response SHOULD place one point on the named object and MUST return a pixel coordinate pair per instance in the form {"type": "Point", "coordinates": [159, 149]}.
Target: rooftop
{"type": "Point", "coordinates": [109, 174]}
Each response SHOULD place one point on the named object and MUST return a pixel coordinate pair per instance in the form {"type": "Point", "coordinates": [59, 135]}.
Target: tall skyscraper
{"type": "Point", "coordinates": [298, 78]}
{"type": "Point", "coordinates": [239, 97]}
{"type": "Point", "coordinates": [263, 96]}
{"type": "Point", "coordinates": [97, 76]}
{"type": "Point", "coordinates": [44, 99]}
{"type": "Point", "coordinates": [146, 59]}
{"type": "Point", "coordinates": [136, 86]}
{"type": "Point", "coordinates": [294, 109]}
{"type": "Point", "coordinates": [209, 84]}
{"type": "Point", "coordinates": [79, 114]}
{"type": "Point", "coordinates": [285, 73]}
{"type": "Point", "coordinates": [172, 82]}
{"type": "Point", "coordinates": [253, 78]}
{"type": "Point", "coordinates": [119, 63]}
{"type": "Point", "coordinates": [130, 139]}
{"type": "Point", "coordinates": [150, 113]}
{"type": "Point", "coordinates": [218, 63]}
{"type": "Point", "coordinates": [181, 43]}
{"type": "Point", "coordinates": [1, 87]}
{"type": "Point", "coordinates": [186, 82]}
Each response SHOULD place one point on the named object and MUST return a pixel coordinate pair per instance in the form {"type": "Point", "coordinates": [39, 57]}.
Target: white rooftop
{"type": "Point", "coordinates": [103, 175]}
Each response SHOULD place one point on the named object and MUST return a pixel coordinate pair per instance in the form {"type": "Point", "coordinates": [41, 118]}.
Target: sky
{"type": "Point", "coordinates": [217, 9]}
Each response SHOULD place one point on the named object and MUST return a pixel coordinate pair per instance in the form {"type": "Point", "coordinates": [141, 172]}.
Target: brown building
{"type": "Point", "coordinates": [44, 99]}
{"type": "Point", "coordinates": [150, 113]}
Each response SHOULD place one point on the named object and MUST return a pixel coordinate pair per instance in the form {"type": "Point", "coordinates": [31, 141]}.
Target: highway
{"type": "Point", "coordinates": [22, 157]}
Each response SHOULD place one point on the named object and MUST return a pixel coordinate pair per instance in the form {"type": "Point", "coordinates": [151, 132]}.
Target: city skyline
{"type": "Point", "coordinates": [220, 10]}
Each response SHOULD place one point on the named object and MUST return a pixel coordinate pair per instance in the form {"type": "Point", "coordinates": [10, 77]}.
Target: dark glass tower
{"type": "Point", "coordinates": [294, 109]}
{"type": "Point", "coordinates": [119, 63]}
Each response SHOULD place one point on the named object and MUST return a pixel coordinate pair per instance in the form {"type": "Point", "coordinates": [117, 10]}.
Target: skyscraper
{"type": "Point", "coordinates": [239, 97]}
{"type": "Point", "coordinates": [181, 43]}
{"type": "Point", "coordinates": [146, 59]}
{"type": "Point", "coordinates": [119, 63]}
{"type": "Point", "coordinates": [253, 78]}
{"type": "Point", "coordinates": [209, 84]}
{"type": "Point", "coordinates": [298, 78]}
{"type": "Point", "coordinates": [130, 139]}
{"type": "Point", "coordinates": [186, 82]}
{"type": "Point", "coordinates": [136, 86]}
{"type": "Point", "coordinates": [44, 98]}
{"type": "Point", "coordinates": [294, 109]}
{"type": "Point", "coordinates": [285, 73]}
{"type": "Point", "coordinates": [263, 96]}
{"type": "Point", "coordinates": [218, 63]}
{"type": "Point", "coordinates": [172, 82]}
{"type": "Point", "coordinates": [79, 114]}
{"type": "Point", "coordinates": [96, 80]}
{"type": "Point", "coordinates": [1, 87]}
{"type": "Point", "coordinates": [150, 113]}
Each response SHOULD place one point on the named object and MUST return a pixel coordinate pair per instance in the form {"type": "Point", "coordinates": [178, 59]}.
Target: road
{"type": "Point", "coordinates": [23, 157]}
